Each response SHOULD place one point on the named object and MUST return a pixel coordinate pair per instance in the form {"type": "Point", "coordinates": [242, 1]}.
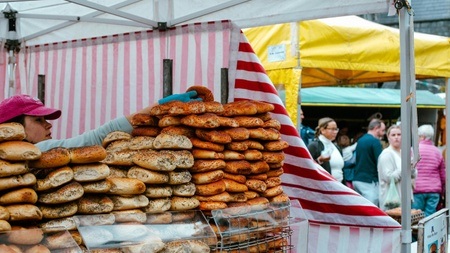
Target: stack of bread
{"type": "Point", "coordinates": [20, 208]}
{"type": "Point", "coordinates": [237, 149]}
{"type": "Point", "coordinates": [18, 198]}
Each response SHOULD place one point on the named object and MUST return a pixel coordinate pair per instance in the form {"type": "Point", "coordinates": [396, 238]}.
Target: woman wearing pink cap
{"type": "Point", "coordinates": [33, 115]}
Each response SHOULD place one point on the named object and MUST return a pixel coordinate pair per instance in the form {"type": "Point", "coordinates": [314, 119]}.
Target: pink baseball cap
{"type": "Point", "coordinates": [25, 105]}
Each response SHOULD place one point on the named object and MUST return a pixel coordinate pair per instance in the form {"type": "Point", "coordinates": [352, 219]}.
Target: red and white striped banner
{"type": "Point", "coordinates": [98, 79]}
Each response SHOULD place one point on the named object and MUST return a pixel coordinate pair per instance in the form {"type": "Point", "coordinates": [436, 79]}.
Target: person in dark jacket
{"type": "Point", "coordinates": [323, 149]}
{"type": "Point", "coordinates": [365, 179]}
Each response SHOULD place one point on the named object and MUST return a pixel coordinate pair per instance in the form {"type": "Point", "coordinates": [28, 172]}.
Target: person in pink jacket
{"type": "Point", "coordinates": [430, 180]}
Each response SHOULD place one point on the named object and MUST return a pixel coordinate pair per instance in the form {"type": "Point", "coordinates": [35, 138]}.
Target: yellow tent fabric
{"type": "Point", "coordinates": [339, 51]}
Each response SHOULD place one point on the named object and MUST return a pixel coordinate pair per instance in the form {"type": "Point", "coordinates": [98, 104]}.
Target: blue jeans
{"type": "Point", "coordinates": [368, 191]}
{"type": "Point", "coordinates": [427, 202]}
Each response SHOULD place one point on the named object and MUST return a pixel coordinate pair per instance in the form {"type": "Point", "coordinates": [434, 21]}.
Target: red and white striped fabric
{"type": "Point", "coordinates": [95, 80]}
{"type": "Point", "coordinates": [340, 219]}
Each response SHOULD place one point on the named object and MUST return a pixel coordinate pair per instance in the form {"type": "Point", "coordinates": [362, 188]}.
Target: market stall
{"type": "Point", "coordinates": [330, 208]}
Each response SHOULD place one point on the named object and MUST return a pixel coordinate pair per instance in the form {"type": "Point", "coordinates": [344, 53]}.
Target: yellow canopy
{"type": "Point", "coordinates": [339, 51]}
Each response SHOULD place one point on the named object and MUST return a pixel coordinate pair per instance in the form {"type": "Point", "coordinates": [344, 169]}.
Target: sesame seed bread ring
{"type": "Point", "coordinates": [202, 92]}
{"type": "Point", "coordinates": [53, 158]}
{"type": "Point", "coordinates": [88, 154]}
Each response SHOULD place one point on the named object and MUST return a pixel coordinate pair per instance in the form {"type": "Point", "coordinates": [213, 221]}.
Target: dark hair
{"type": "Point", "coordinates": [323, 123]}
{"type": "Point", "coordinates": [374, 123]}
{"type": "Point", "coordinates": [19, 119]}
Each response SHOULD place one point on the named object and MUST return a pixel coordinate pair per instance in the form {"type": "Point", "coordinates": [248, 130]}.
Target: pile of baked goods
{"type": "Point", "coordinates": [396, 214]}
{"type": "Point", "coordinates": [182, 156]}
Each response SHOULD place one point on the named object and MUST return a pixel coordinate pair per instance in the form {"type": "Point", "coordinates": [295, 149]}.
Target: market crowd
{"type": "Point", "coordinates": [370, 162]}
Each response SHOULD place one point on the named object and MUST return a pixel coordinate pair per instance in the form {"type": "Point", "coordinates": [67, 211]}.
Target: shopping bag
{"type": "Point", "coordinates": [392, 197]}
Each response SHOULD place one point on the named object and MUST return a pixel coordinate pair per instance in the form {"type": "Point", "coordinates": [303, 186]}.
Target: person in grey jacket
{"type": "Point", "coordinates": [34, 116]}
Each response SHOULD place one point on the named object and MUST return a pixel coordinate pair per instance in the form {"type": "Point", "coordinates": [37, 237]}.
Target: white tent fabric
{"type": "Point", "coordinates": [48, 21]}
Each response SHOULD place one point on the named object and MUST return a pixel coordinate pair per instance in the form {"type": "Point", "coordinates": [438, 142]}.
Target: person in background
{"type": "Point", "coordinates": [430, 180]}
{"type": "Point", "coordinates": [390, 164]}
{"type": "Point", "coordinates": [306, 133]}
{"type": "Point", "coordinates": [349, 159]}
{"type": "Point", "coordinates": [324, 151]}
{"type": "Point", "coordinates": [368, 148]}
{"type": "Point", "coordinates": [34, 116]}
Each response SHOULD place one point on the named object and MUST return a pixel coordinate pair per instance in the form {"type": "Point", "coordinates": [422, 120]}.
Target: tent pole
{"type": "Point", "coordinates": [407, 85]}
{"type": "Point", "coordinates": [447, 150]}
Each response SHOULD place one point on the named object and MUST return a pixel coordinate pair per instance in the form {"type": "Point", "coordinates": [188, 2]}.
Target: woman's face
{"type": "Point", "coordinates": [330, 131]}
{"type": "Point", "coordinates": [37, 129]}
{"type": "Point", "coordinates": [395, 138]}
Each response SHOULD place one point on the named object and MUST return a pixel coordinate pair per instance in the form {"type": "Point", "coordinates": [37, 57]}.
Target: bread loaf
{"type": "Point", "coordinates": [19, 151]}
{"type": "Point", "coordinates": [253, 155]}
{"type": "Point", "coordinates": [168, 141]}
{"type": "Point", "coordinates": [24, 212]}
{"type": "Point", "coordinates": [127, 203]}
{"type": "Point", "coordinates": [101, 186]}
{"type": "Point", "coordinates": [131, 215]}
{"type": "Point", "coordinates": [90, 172]}
{"type": "Point", "coordinates": [94, 204]}
{"type": "Point", "coordinates": [60, 240]}
{"type": "Point", "coordinates": [118, 145]}
{"type": "Point", "coordinates": [159, 191]}
{"type": "Point", "coordinates": [59, 211]}
{"type": "Point", "coordinates": [227, 122]}
{"type": "Point", "coordinates": [183, 190]}
{"type": "Point", "coordinates": [213, 107]}
{"type": "Point", "coordinates": [8, 169]}
{"type": "Point", "coordinates": [249, 122]}
{"type": "Point", "coordinates": [238, 167]}
{"type": "Point", "coordinates": [211, 188]}
{"type": "Point", "coordinates": [273, 156]}
{"type": "Point", "coordinates": [179, 177]}
{"type": "Point", "coordinates": [239, 108]}
{"type": "Point", "coordinates": [212, 205]}
{"type": "Point", "coordinates": [56, 178]}
{"type": "Point", "coordinates": [154, 160]}
{"type": "Point", "coordinates": [272, 123]}
{"type": "Point", "coordinates": [143, 119]}
{"type": "Point", "coordinates": [206, 120]}
{"type": "Point", "coordinates": [11, 131]}
{"type": "Point", "coordinates": [215, 136]}
{"type": "Point", "coordinates": [256, 185]}
{"type": "Point", "coordinates": [183, 158]}
{"type": "Point", "coordinates": [88, 154]}
{"type": "Point", "coordinates": [115, 136]}
{"type": "Point", "coordinates": [25, 236]}
{"type": "Point", "coordinates": [260, 176]}
{"type": "Point", "coordinates": [276, 145]}
{"type": "Point", "coordinates": [207, 165]}
{"type": "Point", "coordinates": [53, 158]}
{"type": "Point", "coordinates": [183, 203]}
{"type": "Point", "coordinates": [202, 92]}
{"type": "Point", "coordinates": [159, 205]}
{"type": "Point", "coordinates": [179, 130]}
{"type": "Point", "coordinates": [266, 134]}
{"type": "Point", "coordinates": [126, 186]}
{"type": "Point", "coordinates": [259, 167]}
{"type": "Point", "coordinates": [21, 195]}
{"type": "Point", "coordinates": [191, 107]}
{"type": "Point", "coordinates": [61, 224]}
{"type": "Point", "coordinates": [238, 178]}
{"type": "Point", "coordinates": [273, 191]}
{"type": "Point", "coordinates": [168, 120]}
{"type": "Point", "coordinates": [196, 142]}
{"type": "Point", "coordinates": [206, 154]}
{"type": "Point", "coordinates": [4, 214]}
{"type": "Point", "coordinates": [233, 186]}
{"type": "Point", "coordinates": [141, 142]}
{"type": "Point", "coordinates": [4, 226]}
{"type": "Point", "coordinates": [64, 194]}
{"type": "Point", "coordinates": [232, 155]}
{"type": "Point", "coordinates": [148, 176]}
{"type": "Point", "coordinates": [24, 180]}
{"type": "Point", "coordinates": [120, 158]}
{"type": "Point", "coordinates": [252, 144]}
{"type": "Point", "coordinates": [145, 131]}
{"type": "Point", "coordinates": [207, 177]}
